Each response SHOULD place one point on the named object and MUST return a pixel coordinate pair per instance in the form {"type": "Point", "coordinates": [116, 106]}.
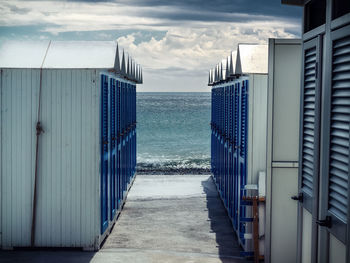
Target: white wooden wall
{"type": "Point", "coordinates": [68, 207]}
{"type": "Point", "coordinates": [282, 149]}
{"type": "Point", "coordinates": [257, 116]}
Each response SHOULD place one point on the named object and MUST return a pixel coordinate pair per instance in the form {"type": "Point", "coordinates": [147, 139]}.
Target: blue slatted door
{"type": "Point", "coordinates": [133, 96]}
{"type": "Point", "coordinates": [104, 152]}
{"type": "Point", "coordinates": [213, 137]}
{"type": "Point", "coordinates": [132, 130]}
{"type": "Point", "coordinates": [226, 141]}
{"type": "Point", "coordinates": [128, 132]}
{"type": "Point", "coordinates": [118, 132]}
{"type": "Point", "coordinates": [212, 132]}
{"type": "Point", "coordinates": [217, 135]}
{"type": "Point", "coordinates": [125, 176]}
{"type": "Point", "coordinates": [218, 144]}
{"type": "Point", "coordinates": [123, 139]}
{"type": "Point", "coordinates": [113, 147]}
{"type": "Point", "coordinates": [222, 103]}
{"type": "Point", "coordinates": [243, 154]}
{"type": "Point", "coordinates": [135, 145]}
{"type": "Point", "coordinates": [236, 142]}
{"type": "Point", "coordinates": [231, 150]}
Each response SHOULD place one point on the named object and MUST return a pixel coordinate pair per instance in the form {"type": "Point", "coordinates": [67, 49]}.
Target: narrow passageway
{"type": "Point", "coordinates": [172, 218]}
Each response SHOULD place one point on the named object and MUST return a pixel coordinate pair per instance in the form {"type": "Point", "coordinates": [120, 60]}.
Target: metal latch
{"type": "Point", "coordinates": [326, 222]}
{"type": "Point", "coordinates": [298, 197]}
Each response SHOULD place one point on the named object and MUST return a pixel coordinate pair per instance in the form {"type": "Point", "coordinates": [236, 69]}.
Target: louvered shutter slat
{"type": "Point", "coordinates": [339, 133]}
{"type": "Point", "coordinates": [308, 143]}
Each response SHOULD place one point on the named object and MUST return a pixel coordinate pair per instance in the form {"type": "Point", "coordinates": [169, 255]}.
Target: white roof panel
{"type": "Point", "coordinates": [60, 54]}
{"type": "Point", "coordinates": [81, 54]}
{"type": "Point", "coordinates": [252, 59]}
{"type": "Point", "coordinates": [24, 54]}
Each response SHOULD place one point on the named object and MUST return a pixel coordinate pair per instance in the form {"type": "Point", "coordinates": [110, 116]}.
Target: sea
{"type": "Point", "coordinates": [173, 132]}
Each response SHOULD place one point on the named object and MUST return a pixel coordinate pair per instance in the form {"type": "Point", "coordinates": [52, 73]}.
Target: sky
{"type": "Point", "coordinates": [175, 41]}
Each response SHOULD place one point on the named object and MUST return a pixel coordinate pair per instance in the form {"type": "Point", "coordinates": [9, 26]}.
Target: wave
{"type": "Point", "coordinates": [186, 166]}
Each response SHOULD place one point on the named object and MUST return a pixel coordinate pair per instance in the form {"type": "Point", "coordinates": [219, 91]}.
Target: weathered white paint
{"type": "Point", "coordinates": [283, 215]}
{"type": "Point", "coordinates": [251, 59]}
{"type": "Point", "coordinates": [337, 250]}
{"type": "Point", "coordinates": [282, 149]}
{"type": "Point", "coordinates": [22, 54]}
{"type": "Point", "coordinates": [60, 54]}
{"type": "Point", "coordinates": [256, 137]}
{"type": "Point", "coordinates": [256, 127]}
{"type": "Point", "coordinates": [286, 101]}
{"type": "Point", "coordinates": [262, 207]}
{"type": "Point", "coordinates": [68, 186]}
{"type": "Point", "coordinates": [81, 54]}
{"type": "Point", "coordinates": [306, 236]}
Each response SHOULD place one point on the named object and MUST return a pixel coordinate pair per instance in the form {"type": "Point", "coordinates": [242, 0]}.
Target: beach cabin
{"type": "Point", "coordinates": [324, 186]}
{"type": "Point", "coordinates": [239, 112]}
{"type": "Point", "coordinates": [67, 141]}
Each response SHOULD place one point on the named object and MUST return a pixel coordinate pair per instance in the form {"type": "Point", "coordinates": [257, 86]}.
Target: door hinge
{"type": "Point", "coordinates": [327, 222]}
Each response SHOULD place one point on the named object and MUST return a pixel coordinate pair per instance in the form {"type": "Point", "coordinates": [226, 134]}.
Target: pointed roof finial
{"type": "Point", "coordinates": [139, 73]}
{"type": "Point", "coordinates": [117, 61]}
{"type": "Point", "coordinates": [128, 67]}
{"type": "Point", "coordinates": [141, 76]}
{"type": "Point", "coordinates": [123, 69]}
{"type": "Point", "coordinates": [238, 68]}
{"type": "Point", "coordinates": [213, 75]}
{"type": "Point", "coordinates": [133, 70]}
{"type": "Point", "coordinates": [209, 80]}
{"type": "Point", "coordinates": [227, 69]}
{"type": "Point", "coordinates": [136, 73]}
{"type": "Point", "coordinates": [221, 71]}
{"type": "Point", "coordinates": [231, 65]}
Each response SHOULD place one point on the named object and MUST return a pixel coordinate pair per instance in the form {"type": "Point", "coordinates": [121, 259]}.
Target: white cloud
{"type": "Point", "coordinates": [195, 50]}
{"type": "Point", "coordinates": [178, 61]}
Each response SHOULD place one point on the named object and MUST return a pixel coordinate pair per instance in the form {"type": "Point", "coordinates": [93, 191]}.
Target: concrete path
{"type": "Point", "coordinates": [173, 218]}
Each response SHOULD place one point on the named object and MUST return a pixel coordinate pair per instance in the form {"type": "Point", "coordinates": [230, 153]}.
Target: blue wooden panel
{"type": "Point", "coordinates": [113, 146]}
{"type": "Point", "coordinates": [236, 143]}
{"type": "Point", "coordinates": [104, 153]}
{"type": "Point", "coordinates": [243, 148]}
{"type": "Point", "coordinates": [118, 132]}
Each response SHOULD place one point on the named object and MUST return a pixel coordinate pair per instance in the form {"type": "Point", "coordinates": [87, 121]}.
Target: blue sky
{"type": "Point", "coordinates": [176, 42]}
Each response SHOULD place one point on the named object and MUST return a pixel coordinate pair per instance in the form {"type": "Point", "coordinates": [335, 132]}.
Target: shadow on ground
{"type": "Point", "coordinates": [46, 256]}
{"type": "Point", "coordinates": [220, 223]}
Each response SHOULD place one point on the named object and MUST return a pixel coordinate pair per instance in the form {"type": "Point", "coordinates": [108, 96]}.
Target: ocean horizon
{"type": "Point", "coordinates": [173, 132]}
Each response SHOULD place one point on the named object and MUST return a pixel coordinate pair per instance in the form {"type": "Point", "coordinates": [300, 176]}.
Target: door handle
{"type": "Point", "coordinates": [298, 197]}
{"type": "Point", "coordinates": [327, 222]}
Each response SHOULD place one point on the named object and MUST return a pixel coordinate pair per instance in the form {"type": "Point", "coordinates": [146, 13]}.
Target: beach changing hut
{"type": "Point", "coordinates": [239, 112]}
{"type": "Point", "coordinates": [67, 141]}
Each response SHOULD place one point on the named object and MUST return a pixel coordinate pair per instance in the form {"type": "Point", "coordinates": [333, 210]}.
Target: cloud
{"type": "Point", "coordinates": [177, 42]}
{"type": "Point", "coordinates": [189, 52]}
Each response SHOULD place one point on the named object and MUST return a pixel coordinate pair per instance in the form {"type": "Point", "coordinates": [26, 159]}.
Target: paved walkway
{"type": "Point", "coordinates": [173, 218]}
